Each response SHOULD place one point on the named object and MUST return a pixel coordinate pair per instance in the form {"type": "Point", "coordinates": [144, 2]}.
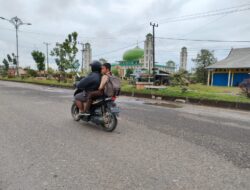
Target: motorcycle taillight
{"type": "Point", "coordinates": [113, 98]}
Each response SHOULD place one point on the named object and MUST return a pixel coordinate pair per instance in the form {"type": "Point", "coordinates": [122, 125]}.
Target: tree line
{"type": "Point", "coordinates": [65, 58]}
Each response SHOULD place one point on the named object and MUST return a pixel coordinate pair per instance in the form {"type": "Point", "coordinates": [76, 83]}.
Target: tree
{"type": "Point", "coordinates": [39, 58]}
{"type": "Point", "coordinates": [129, 72]}
{"type": "Point", "coordinates": [5, 67]}
{"type": "Point", "coordinates": [31, 72]}
{"type": "Point", "coordinates": [245, 87]}
{"type": "Point", "coordinates": [115, 72]}
{"type": "Point", "coordinates": [51, 71]}
{"type": "Point", "coordinates": [203, 60]}
{"type": "Point", "coordinates": [65, 54]}
{"type": "Point", "coordinates": [10, 60]}
{"type": "Point", "coordinates": [179, 78]}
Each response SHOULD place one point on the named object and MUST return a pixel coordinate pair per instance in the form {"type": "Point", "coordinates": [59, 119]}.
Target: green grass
{"type": "Point", "coordinates": [196, 91]}
{"type": "Point", "coordinates": [37, 81]}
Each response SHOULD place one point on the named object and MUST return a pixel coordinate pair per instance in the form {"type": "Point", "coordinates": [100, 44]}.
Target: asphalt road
{"type": "Point", "coordinates": [154, 147]}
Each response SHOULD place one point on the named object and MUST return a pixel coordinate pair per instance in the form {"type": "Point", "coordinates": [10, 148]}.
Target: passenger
{"type": "Point", "coordinates": [106, 72]}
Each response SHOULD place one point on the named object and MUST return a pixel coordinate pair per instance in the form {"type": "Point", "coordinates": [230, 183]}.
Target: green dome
{"type": "Point", "coordinates": [133, 54]}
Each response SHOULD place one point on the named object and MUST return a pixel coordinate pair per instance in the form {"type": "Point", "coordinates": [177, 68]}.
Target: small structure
{"type": "Point", "coordinates": [232, 70]}
{"type": "Point", "coordinates": [87, 56]}
{"type": "Point", "coordinates": [12, 72]}
{"type": "Point", "coordinates": [183, 58]}
{"type": "Point", "coordinates": [171, 66]}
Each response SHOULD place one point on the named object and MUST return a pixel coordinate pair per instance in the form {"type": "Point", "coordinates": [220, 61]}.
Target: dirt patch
{"type": "Point", "coordinates": [167, 105]}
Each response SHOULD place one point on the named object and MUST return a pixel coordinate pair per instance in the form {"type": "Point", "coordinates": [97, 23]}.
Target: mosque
{"type": "Point", "coordinates": [141, 59]}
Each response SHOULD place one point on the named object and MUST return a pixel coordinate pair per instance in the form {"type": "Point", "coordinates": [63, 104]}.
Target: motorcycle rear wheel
{"type": "Point", "coordinates": [75, 112]}
{"type": "Point", "coordinates": [110, 122]}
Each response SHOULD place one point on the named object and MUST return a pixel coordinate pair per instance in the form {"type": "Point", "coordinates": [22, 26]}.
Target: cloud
{"type": "Point", "coordinates": [109, 25]}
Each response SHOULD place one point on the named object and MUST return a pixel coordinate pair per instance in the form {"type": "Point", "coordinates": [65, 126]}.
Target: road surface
{"type": "Point", "coordinates": [161, 146]}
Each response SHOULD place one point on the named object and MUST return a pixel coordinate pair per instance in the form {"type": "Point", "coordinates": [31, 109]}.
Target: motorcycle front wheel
{"type": "Point", "coordinates": [110, 122]}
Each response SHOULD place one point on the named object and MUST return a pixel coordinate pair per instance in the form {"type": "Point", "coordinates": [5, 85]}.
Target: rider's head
{"type": "Point", "coordinates": [96, 66]}
{"type": "Point", "coordinates": [106, 67]}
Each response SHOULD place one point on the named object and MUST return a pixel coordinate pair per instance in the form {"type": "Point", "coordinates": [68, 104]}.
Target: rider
{"type": "Point", "coordinates": [106, 72]}
{"type": "Point", "coordinates": [88, 85]}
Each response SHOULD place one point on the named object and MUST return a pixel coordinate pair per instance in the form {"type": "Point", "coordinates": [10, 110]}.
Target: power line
{"type": "Point", "coordinates": [207, 14]}
{"type": "Point", "coordinates": [116, 50]}
{"type": "Point", "coordinates": [203, 26]}
{"type": "Point", "coordinates": [201, 13]}
{"type": "Point", "coordinates": [200, 40]}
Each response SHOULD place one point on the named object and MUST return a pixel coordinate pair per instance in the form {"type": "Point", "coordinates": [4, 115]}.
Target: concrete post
{"type": "Point", "coordinates": [208, 78]}
{"type": "Point", "coordinates": [232, 80]}
{"type": "Point", "coordinates": [212, 80]}
{"type": "Point", "coordinates": [229, 77]}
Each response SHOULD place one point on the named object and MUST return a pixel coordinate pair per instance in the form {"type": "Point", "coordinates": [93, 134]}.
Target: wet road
{"type": "Point", "coordinates": [154, 147]}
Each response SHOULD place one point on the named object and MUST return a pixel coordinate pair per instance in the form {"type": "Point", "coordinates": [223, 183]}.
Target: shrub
{"type": "Point", "coordinates": [31, 73]}
{"type": "Point", "coordinates": [245, 87]}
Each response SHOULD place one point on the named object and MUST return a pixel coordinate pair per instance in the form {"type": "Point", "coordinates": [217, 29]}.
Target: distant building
{"type": "Point", "coordinates": [183, 58]}
{"type": "Point", "coordinates": [148, 52]}
{"type": "Point", "coordinates": [87, 56]}
{"type": "Point", "coordinates": [232, 70]}
{"type": "Point", "coordinates": [12, 71]}
{"type": "Point", "coordinates": [102, 60]}
{"type": "Point", "coordinates": [139, 59]}
{"type": "Point", "coordinates": [171, 66]}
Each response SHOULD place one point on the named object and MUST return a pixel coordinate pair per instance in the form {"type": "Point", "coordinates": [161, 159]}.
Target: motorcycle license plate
{"type": "Point", "coordinates": [115, 110]}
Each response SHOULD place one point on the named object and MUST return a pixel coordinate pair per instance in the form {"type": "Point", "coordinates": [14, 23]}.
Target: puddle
{"type": "Point", "coordinates": [164, 105]}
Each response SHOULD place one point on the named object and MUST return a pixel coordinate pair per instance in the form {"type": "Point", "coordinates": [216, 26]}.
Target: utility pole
{"type": "Point", "coordinates": [153, 26]}
{"type": "Point", "coordinates": [17, 22]}
{"type": "Point", "coordinates": [83, 49]}
{"type": "Point", "coordinates": [47, 52]}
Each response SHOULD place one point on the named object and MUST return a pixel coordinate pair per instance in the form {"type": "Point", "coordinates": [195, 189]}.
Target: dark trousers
{"type": "Point", "coordinates": [91, 96]}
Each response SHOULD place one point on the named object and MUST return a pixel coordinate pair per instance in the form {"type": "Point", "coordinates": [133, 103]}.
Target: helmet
{"type": "Point", "coordinates": [96, 66]}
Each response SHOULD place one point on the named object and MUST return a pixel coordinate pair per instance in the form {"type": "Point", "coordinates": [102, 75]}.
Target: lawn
{"type": "Point", "coordinates": [39, 81]}
{"type": "Point", "coordinates": [196, 91]}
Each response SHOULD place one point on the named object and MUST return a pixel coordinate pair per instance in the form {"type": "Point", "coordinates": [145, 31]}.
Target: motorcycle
{"type": "Point", "coordinates": [103, 112]}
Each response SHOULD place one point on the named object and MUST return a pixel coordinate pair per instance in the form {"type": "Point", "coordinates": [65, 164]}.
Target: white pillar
{"type": "Point", "coordinates": [208, 78]}
{"type": "Point", "coordinates": [212, 80]}
{"type": "Point", "coordinates": [229, 77]}
{"type": "Point", "coordinates": [232, 80]}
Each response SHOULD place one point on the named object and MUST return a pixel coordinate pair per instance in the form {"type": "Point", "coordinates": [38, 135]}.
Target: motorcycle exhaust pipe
{"type": "Point", "coordinates": [97, 120]}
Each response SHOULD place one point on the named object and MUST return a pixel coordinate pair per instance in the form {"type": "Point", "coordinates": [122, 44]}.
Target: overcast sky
{"type": "Point", "coordinates": [112, 24]}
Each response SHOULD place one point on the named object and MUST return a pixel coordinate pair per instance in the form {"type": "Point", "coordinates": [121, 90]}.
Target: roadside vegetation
{"type": "Point", "coordinates": [195, 91]}
{"type": "Point", "coordinates": [182, 83]}
{"type": "Point", "coordinates": [32, 80]}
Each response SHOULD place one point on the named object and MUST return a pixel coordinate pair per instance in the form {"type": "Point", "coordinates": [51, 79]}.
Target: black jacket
{"type": "Point", "coordinates": [90, 83]}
